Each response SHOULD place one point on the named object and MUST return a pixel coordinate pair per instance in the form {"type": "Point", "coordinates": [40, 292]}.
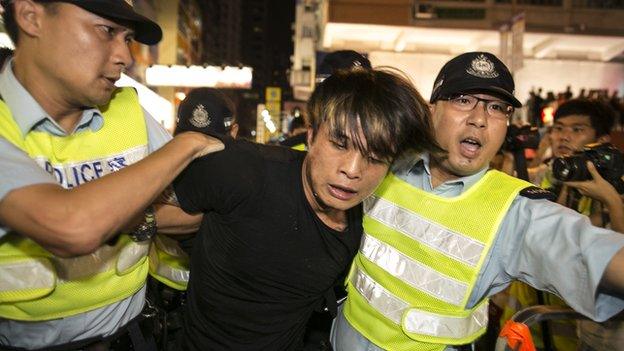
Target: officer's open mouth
{"type": "Point", "coordinates": [472, 142]}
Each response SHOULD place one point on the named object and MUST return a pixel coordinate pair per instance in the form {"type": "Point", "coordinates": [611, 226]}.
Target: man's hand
{"type": "Point", "coordinates": [204, 144]}
{"type": "Point", "coordinates": [601, 190]}
{"type": "Point", "coordinates": [597, 188]}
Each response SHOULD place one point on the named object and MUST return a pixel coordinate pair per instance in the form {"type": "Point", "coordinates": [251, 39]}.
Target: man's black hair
{"type": "Point", "coordinates": [384, 106]}
{"type": "Point", "coordinates": [601, 115]}
{"type": "Point", "coordinates": [8, 17]}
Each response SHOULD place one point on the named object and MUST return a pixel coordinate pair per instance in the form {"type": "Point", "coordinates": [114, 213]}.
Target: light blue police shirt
{"type": "Point", "coordinates": [543, 244]}
{"type": "Point", "coordinates": [539, 242]}
{"type": "Point", "coordinates": [17, 170]}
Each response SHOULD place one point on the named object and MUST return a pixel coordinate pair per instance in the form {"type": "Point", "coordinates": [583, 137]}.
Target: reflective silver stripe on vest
{"type": "Point", "coordinates": [170, 246]}
{"type": "Point", "coordinates": [427, 323]}
{"type": "Point", "coordinates": [449, 243]}
{"type": "Point", "coordinates": [418, 321]}
{"type": "Point", "coordinates": [413, 273]}
{"type": "Point", "coordinates": [131, 254]}
{"type": "Point", "coordinates": [40, 275]}
{"type": "Point", "coordinates": [177, 275]}
{"type": "Point", "coordinates": [379, 298]}
{"type": "Point", "coordinates": [26, 274]}
{"type": "Point", "coordinates": [104, 259]}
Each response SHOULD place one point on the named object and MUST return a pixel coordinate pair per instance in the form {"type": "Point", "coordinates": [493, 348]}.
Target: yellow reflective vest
{"type": "Point", "coordinates": [419, 260]}
{"type": "Point", "coordinates": [35, 285]}
{"type": "Point", "coordinates": [300, 147]}
{"type": "Point", "coordinates": [168, 263]}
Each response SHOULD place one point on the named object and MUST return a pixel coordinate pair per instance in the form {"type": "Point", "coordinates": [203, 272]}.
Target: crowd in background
{"type": "Point", "coordinates": [538, 101]}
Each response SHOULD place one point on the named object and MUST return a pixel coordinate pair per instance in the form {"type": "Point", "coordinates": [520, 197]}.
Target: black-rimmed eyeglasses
{"type": "Point", "coordinates": [494, 108]}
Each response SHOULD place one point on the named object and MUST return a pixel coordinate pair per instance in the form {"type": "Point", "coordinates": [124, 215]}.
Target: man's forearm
{"type": "Point", "coordinates": [172, 220]}
{"type": "Point", "coordinates": [77, 221]}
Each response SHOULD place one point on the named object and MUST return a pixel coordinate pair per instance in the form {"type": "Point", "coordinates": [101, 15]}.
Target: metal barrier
{"type": "Point", "coordinates": [516, 336]}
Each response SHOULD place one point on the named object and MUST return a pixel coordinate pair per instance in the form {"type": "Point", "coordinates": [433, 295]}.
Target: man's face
{"type": "Point", "coordinates": [472, 138]}
{"type": "Point", "coordinates": [336, 174]}
{"type": "Point", "coordinates": [570, 134]}
{"type": "Point", "coordinates": [82, 55]}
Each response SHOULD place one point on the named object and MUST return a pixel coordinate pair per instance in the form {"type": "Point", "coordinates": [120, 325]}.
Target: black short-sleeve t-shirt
{"type": "Point", "coordinates": [262, 260]}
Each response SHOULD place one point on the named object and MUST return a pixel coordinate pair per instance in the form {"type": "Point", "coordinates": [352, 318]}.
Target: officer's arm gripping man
{"type": "Point", "coordinates": [70, 222]}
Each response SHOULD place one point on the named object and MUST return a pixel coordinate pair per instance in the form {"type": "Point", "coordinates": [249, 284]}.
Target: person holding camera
{"type": "Point", "coordinates": [580, 133]}
{"type": "Point", "coordinates": [579, 138]}
{"type": "Point", "coordinates": [443, 232]}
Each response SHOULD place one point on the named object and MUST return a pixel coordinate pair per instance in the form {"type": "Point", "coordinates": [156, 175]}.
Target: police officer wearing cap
{"type": "Point", "coordinates": [443, 232]}
{"type": "Point", "coordinates": [76, 176]}
{"type": "Point", "coordinates": [209, 111]}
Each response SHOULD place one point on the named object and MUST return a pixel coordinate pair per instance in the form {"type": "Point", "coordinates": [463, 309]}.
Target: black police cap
{"type": "Point", "coordinates": [146, 30]}
{"type": "Point", "coordinates": [475, 72]}
{"type": "Point", "coordinates": [341, 59]}
{"type": "Point", "coordinates": [205, 110]}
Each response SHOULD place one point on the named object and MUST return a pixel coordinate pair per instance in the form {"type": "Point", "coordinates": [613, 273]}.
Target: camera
{"type": "Point", "coordinates": [607, 158]}
{"type": "Point", "coordinates": [520, 138]}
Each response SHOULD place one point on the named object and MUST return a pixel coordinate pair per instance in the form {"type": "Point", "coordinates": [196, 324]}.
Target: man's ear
{"type": "Point", "coordinates": [234, 130]}
{"type": "Point", "coordinates": [432, 109]}
{"type": "Point", "coordinates": [28, 16]}
{"type": "Point", "coordinates": [310, 136]}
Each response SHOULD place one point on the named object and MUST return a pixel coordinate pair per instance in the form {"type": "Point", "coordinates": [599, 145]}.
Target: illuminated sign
{"type": "Point", "coordinates": [199, 76]}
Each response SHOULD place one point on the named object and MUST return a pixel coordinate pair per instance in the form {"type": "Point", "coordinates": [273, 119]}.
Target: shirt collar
{"type": "Point", "coordinates": [419, 164]}
{"type": "Point", "coordinates": [28, 114]}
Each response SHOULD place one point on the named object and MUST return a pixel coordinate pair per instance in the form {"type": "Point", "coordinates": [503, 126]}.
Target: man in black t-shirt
{"type": "Point", "coordinates": [281, 226]}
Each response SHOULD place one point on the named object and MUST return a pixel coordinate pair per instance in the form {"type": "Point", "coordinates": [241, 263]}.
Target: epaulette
{"type": "Point", "coordinates": [537, 193]}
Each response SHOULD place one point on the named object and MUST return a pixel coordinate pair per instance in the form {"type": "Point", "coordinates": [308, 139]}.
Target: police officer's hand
{"type": "Point", "coordinates": [203, 143]}
{"type": "Point", "coordinates": [597, 188]}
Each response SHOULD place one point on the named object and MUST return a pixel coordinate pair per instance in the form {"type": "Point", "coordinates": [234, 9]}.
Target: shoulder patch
{"type": "Point", "coordinates": [536, 193]}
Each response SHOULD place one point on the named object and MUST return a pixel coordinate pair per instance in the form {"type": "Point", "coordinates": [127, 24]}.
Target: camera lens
{"type": "Point", "coordinates": [567, 168]}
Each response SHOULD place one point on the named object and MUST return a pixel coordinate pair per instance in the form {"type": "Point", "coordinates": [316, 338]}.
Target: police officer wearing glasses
{"type": "Point", "coordinates": [443, 232]}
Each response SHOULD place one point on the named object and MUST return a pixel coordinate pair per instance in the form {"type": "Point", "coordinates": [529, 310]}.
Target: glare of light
{"type": "Point", "coordinates": [180, 95]}
{"type": "Point", "coordinates": [5, 41]}
{"type": "Point", "coordinates": [157, 106]}
{"type": "Point", "coordinates": [270, 126]}
{"type": "Point", "coordinates": [268, 122]}
{"type": "Point", "coordinates": [400, 46]}
{"type": "Point", "coordinates": [199, 76]}
{"type": "Point", "coordinates": [547, 115]}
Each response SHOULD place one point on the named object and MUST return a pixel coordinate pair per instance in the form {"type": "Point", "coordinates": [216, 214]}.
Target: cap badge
{"type": "Point", "coordinates": [200, 117]}
{"type": "Point", "coordinates": [482, 67]}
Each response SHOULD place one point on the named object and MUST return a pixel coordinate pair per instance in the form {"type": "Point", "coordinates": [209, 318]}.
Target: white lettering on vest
{"type": "Point", "coordinates": [71, 175]}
